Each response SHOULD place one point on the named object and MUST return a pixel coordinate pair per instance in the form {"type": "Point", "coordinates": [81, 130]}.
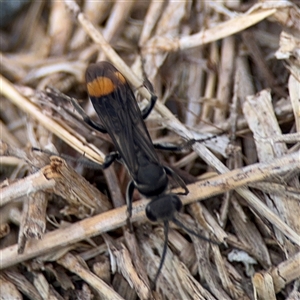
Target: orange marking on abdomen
{"type": "Point", "coordinates": [100, 86]}
{"type": "Point", "coordinates": [120, 77]}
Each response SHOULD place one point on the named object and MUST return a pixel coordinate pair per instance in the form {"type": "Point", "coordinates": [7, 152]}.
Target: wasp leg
{"type": "Point", "coordinates": [86, 118]}
{"type": "Point", "coordinates": [178, 179]}
{"type": "Point", "coordinates": [147, 110]}
{"type": "Point", "coordinates": [110, 158]}
{"type": "Point", "coordinates": [178, 148]}
{"type": "Point", "coordinates": [129, 194]}
{"type": "Point", "coordinates": [169, 147]}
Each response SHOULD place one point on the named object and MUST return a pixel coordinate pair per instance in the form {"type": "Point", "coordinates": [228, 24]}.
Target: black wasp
{"type": "Point", "coordinates": [120, 116]}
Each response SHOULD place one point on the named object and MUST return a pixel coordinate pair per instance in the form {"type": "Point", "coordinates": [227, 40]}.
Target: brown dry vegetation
{"type": "Point", "coordinates": [224, 68]}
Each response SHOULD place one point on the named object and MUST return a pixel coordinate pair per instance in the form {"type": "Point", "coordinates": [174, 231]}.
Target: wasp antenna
{"type": "Point", "coordinates": [178, 223]}
{"type": "Point", "coordinates": [81, 160]}
{"type": "Point", "coordinates": [193, 141]}
{"type": "Point", "coordinates": [43, 151]}
{"type": "Point", "coordinates": [166, 233]}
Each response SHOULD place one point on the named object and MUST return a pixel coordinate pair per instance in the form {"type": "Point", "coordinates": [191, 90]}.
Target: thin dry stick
{"type": "Point", "coordinates": [23, 187]}
{"type": "Point", "coordinates": [61, 180]}
{"type": "Point", "coordinates": [110, 53]}
{"type": "Point", "coordinates": [10, 92]}
{"type": "Point", "coordinates": [286, 272]}
{"type": "Point", "coordinates": [220, 31]}
{"type": "Point", "coordinates": [263, 286]}
{"type": "Point", "coordinates": [277, 189]}
{"type": "Point", "coordinates": [72, 263]}
{"type": "Point", "coordinates": [224, 29]}
{"type": "Point", "coordinates": [124, 261]}
{"type": "Point", "coordinates": [281, 275]}
{"type": "Point", "coordinates": [294, 90]}
{"type": "Point", "coordinates": [283, 138]}
{"type": "Point", "coordinates": [115, 218]}
{"type": "Point", "coordinates": [23, 285]}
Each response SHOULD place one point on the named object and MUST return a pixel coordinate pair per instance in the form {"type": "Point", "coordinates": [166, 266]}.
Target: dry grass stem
{"type": "Point", "coordinates": [70, 262]}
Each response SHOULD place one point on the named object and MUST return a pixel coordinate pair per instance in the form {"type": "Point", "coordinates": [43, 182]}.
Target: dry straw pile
{"type": "Point", "coordinates": [219, 68]}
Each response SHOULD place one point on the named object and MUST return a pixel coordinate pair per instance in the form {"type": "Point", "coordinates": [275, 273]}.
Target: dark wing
{"type": "Point", "coordinates": [141, 136]}
{"type": "Point", "coordinates": [119, 113]}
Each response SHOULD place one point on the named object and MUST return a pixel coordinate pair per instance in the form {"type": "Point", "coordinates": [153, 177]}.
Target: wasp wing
{"type": "Point", "coordinates": [119, 113]}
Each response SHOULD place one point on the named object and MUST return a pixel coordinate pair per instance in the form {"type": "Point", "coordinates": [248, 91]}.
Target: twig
{"type": "Point", "coordinates": [276, 278]}
{"type": "Point", "coordinates": [71, 263]}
